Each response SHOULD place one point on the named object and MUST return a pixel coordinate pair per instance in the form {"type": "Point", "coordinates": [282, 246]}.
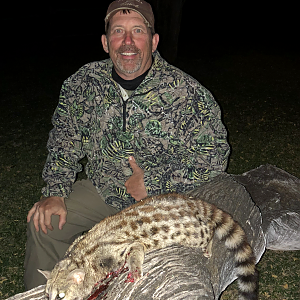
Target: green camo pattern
{"type": "Point", "coordinates": [171, 125]}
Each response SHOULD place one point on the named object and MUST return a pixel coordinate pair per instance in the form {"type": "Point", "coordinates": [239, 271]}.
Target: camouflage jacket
{"type": "Point", "coordinates": [171, 124]}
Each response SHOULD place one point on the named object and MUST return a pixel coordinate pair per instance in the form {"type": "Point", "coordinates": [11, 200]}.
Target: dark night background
{"type": "Point", "coordinates": [207, 28]}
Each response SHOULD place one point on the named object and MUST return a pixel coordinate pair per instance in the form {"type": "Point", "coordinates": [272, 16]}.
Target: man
{"type": "Point", "coordinates": [145, 126]}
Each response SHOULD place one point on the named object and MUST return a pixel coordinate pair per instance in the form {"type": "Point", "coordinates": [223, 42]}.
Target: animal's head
{"type": "Point", "coordinates": [67, 282]}
{"type": "Point", "coordinates": [64, 284]}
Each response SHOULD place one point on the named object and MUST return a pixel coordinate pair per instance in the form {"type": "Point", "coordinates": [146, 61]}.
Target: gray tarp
{"type": "Point", "coordinates": [183, 273]}
{"type": "Point", "coordinates": [277, 194]}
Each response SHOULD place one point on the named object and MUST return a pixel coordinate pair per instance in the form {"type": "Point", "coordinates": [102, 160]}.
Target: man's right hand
{"type": "Point", "coordinates": [44, 209]}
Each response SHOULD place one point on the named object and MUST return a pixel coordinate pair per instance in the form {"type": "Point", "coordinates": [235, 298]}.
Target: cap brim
{"type": "Point", "coordinates": [113, 12]}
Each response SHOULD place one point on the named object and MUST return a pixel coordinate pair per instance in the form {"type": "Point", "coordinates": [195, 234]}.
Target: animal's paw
{"type": "Point", "coordinates": [134, 276]}
{"type": "Point", "coordinates": [207, 254]}
{"type": "Point", "coordinates": [207, 251]}
{"type": "Point", "coordinates": [135, 261]}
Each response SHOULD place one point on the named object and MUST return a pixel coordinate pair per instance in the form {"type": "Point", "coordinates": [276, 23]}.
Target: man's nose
{"type": "Point", "coordinates": [128, 38]}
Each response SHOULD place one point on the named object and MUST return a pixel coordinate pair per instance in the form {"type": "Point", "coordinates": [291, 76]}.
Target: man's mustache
{"type": "Point", "coordinates": [129, 48]}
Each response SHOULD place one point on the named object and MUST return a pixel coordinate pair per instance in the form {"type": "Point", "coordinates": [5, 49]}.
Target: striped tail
{"type": "Point", "coordinates": [235, 240]}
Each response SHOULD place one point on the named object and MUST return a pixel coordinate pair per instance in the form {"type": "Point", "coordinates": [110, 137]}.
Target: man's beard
{"type": "Point", "coordinates": [134, 65]}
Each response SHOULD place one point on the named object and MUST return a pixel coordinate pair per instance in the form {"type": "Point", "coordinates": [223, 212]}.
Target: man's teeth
{"type": "Point", "coordinates": [128, 54]}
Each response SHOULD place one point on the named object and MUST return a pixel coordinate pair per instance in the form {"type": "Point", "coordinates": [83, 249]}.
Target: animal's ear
{"type": "Point", "coordinates": [45, 273]}
{"type": "Point", "coordinates": [76, 276]}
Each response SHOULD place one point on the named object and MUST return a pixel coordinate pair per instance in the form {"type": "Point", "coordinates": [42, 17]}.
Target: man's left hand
{"type": "Point", "coordinates": [135, 185]}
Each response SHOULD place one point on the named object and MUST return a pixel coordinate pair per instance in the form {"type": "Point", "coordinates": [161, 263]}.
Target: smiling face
{"type": "Point", "coordinates": [130, 44]}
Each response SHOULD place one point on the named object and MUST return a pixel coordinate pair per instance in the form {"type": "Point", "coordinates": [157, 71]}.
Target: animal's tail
{"type": "Point", "coordinates": [235, 240]}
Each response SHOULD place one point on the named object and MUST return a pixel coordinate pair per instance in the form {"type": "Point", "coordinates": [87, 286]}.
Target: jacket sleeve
{"type": "Point", "coordinates": [64, 146]}
{"type": "Point", "coordinates": [207, 142]}
{"type": "Point", "coordinates": [197, 144]}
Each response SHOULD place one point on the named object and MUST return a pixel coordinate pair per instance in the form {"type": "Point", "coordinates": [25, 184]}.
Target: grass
{"type": "Point", "coordinates": [259, 94]}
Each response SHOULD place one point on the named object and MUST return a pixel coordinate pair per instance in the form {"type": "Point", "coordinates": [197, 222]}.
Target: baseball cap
{"type": "Point", "coordinates": [140, 6]}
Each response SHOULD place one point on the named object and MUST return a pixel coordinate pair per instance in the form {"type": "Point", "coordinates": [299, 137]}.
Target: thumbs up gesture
{"type": "Point", "coordinates": [135, 184]}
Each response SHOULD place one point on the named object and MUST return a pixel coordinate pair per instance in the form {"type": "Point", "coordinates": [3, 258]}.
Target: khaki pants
{"type": "Point", "coordinates": [85, 208]}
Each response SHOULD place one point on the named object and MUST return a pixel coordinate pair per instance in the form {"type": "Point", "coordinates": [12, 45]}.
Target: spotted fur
{"type": "Point", "coordinates": [153, 223]}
